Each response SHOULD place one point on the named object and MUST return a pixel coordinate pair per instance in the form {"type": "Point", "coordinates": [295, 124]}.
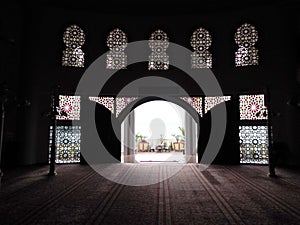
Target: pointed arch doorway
{"type": "Point", "coordinates": [159, 131]}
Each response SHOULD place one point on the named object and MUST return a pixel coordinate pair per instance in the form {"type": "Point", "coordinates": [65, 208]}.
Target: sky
{"type": "Point", "coordinates": [158, 117]}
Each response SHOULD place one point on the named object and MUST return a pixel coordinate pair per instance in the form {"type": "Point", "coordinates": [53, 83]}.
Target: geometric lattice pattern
{"type": "Point", "coordinates": [254, 144]}
{"type": "Point", "coordinates": [211, 102]}
{"type": "Point", "coordinates": [69, 108]}
{"type": "Point", "coordinates": [195, 102]}
{"type": "Point", "coordinates": [252, 107]}
{"type": "Point", "coordinates": [117, 42]}
{"type": "Point", "coordinates": [158, 43]}
{"type": "Point", "coordinates": [67, 141]}
{"type": "Point", "coordinates": [201, 57]}
{"type": "Point", "coordinates": [107, 102]}
{"type": "Point", "coordinates": [73, 38]}
{"type": "Point", "coordinates": [122, 102]}
{"type": "Point", "coordinates": [246, 37]}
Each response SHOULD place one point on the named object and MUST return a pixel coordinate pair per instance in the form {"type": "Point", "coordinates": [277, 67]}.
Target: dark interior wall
{"type": "Point", "coordinates": [41, 51]}
{"type": "Point", "coordinates": [10, 25]}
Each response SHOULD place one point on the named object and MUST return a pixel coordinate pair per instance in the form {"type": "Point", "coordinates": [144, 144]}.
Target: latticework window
{"type": "Point", "coordinates": [67, 141]}
{"type": "Point", "coordinates": [211, 102]}
{"type": "Point", "coordinates": [117, 42]}
{"type": "Point", "coordinates": [122, 102]}
{"type": "Point", "coordinates": [195, 102]}
{"type": "Point", "coordinates": [201, 41]}
{"type": "Point", "coordinates": [246, 37]}
{"type": "Point", "coordinates": [254, 144]}
{"type": "Point", "coordinates": [69, 108]}
{"type": "Point", "coordinates": [252, 107]}
{"type": "Point", "coordinates": [158, 43]}
{"type": "Point", "coordinates": [107, 102]}
{"type": "Point", "coordinates": [73, 55]}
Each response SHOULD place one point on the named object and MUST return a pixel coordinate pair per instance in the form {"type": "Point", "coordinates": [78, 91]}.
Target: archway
{"type": "Point", "coordinates": [159, 131]}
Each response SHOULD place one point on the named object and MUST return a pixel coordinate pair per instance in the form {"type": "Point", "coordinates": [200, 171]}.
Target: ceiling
{"type": "Point", "coordinates": [154, 6]}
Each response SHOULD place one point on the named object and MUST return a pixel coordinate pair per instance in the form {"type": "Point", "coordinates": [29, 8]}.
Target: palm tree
{"type": "Point", "coordinates": [182, 131]}
{"type": "Point", "coordinates": [138, 137]}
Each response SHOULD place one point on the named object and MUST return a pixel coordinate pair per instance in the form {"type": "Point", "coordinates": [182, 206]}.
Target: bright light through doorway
{"type": "Point", "coordinates": [169, 113]}
{"type": "Point", "coordinates": [159, 123]}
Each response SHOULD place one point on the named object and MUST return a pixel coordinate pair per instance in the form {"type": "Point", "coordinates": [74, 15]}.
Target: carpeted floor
{"type": "Point", "coordinates": [217, 195]}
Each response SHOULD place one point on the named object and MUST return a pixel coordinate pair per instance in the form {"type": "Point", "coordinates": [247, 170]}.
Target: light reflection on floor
{"type": "Point", "coordinates": [144, 157]}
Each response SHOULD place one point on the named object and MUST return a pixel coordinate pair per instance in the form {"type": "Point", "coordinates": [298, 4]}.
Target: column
{"type": "Point", "coordinates": [128, 138]}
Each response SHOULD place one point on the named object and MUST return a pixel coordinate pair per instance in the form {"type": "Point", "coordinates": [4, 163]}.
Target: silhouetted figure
{"type": "Point", "coordinates": [158, 131]}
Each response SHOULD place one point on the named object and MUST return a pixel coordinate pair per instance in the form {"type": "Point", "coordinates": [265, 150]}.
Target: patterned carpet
{"type": "Point", "coordinates": [218, 195]}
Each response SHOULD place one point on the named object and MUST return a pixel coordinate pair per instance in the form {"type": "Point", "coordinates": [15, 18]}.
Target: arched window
{"type": "Point", "coordinates": [158, 43]}
{"type": "Point", "coordinates": [73, 38]}
{"type": "Point", "coordinates": [201, 57]}
{"type": "Point", "coordinates": [117, 42]}
{"type": "Point", "coordinates": [246, 37]}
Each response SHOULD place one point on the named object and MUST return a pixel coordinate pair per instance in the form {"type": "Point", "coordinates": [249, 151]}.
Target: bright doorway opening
{"type": "Point", "coordinates": [159, 132]}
